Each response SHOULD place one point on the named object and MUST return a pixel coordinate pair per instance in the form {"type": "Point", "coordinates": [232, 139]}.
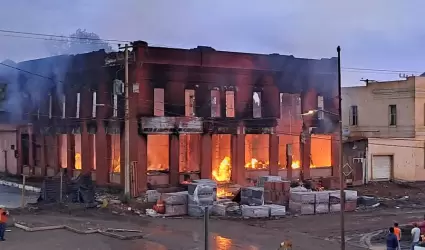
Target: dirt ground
{"type": "Point", "coordinates": [400, 202]}
{"type": "Point", "coordinates": [319, 232]}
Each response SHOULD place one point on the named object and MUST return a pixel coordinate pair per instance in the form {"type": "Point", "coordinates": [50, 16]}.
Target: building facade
{"type": "Point", "coordinates": [390, 115]}
{"type": "Point", "coordinates": [198, 112]}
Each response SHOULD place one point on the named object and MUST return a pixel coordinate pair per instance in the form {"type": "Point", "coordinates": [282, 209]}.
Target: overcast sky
{"type": "Point", "coordinates": [373, 34]}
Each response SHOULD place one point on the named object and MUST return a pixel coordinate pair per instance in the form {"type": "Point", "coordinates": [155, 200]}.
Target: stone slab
{"type": "Point", "coordinates": [255, 211]}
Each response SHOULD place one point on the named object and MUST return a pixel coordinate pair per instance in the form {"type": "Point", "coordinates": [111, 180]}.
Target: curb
{"type": "Point", "coordinates": [20, 186]}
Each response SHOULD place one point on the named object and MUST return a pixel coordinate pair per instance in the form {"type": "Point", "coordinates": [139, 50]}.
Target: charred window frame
{"type": "Point", "coordinates": [320, 107]}
{"type": "Point", "coordinates": [230, 103]}
{"type": "Point", "coordinates": [256, 104]}
{"type": "Point", "coordinates": [77, 113]}
{"type": "Point", "coordinates": [190, 103]}
{"type": "Point", "coordinates": [158, 102]}
{"type": "Point", "coordinates": [94, 105]}
{"type": "Point", "coordinates": [215, 103]}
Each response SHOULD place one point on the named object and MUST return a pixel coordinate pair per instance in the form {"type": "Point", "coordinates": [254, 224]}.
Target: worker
{"type": "Point", "coordinates": [416, 235]}
{"type": "Point", "coordinates": [3, 220]}
{"type": "Point", "coordinates": [392, 242]}
{"type": "Point", "coordinates": [397, 232]}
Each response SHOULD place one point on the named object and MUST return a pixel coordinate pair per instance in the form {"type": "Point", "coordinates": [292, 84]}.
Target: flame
{"type": "Point", "coordinates": [221, 192]}
{"type": "Point", "coordinates": [224, 171]}
{"type": "Point", "coordinates": [157, 167]}
{"type": "Point", "coordinates": [223, 243]}
{"type": "Point", "coordinates": [116, 164]}
{"type": "Point", "coordinates": [77, 158]}
{"type": "Point", "coordinates": [256, 164]}
{"type": "Point", "coordinates": [297, 165]}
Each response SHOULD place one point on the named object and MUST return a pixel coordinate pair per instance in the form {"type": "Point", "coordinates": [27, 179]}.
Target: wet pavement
{"type": "Point", "coordinates": [11, 197]}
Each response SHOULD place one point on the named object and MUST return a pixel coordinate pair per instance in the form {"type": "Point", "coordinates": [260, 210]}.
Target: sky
{"type": "Point", "coordinates": [379, 38]}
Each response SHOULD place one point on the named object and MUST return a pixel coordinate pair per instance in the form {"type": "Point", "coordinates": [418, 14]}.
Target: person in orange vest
{"type": "Point", "coordinates": [4, 214]}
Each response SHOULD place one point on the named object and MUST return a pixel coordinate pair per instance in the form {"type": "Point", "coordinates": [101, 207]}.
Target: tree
{"type": "Point", "coordinates": [81, 41]}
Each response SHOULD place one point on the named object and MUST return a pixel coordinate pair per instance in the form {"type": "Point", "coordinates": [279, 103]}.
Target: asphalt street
{"type": "Point", "coordinates": [11, 197]}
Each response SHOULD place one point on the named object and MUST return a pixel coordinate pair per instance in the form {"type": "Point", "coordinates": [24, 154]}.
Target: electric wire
{"type": "Point", "coordinates": [66, 39]}
{"type": "Point", "coordinates": [48, 37]}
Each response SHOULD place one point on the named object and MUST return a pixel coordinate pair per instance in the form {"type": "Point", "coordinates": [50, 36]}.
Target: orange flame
{"type": "Point", "coordinates": [77, 158]}
{"type": "Point", "coordinates": [116, 164]}
{"type": "Point", "coordinates": [256, 164]}
{"type": "Point", "coordinates": [224, 171]}
{"type": "Point", "coordinates": [221, 192]}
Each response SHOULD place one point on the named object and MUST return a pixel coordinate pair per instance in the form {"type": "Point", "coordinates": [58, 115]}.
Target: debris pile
{"type": "Point", "coordinates": [79, 190]}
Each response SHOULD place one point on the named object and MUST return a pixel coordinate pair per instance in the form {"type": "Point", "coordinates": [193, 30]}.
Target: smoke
{"type": "Point", "coordinates": [28, 85]}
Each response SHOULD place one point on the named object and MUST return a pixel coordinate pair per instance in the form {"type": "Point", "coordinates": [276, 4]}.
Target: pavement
{"type": "Point", "coordinates": [11, 197]}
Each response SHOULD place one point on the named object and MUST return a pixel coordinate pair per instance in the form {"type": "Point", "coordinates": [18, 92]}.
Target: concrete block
{"type": "Point", "coordinates": [322, 208]}
{"type": "Point", "coordinates": [350, 206]}
{"type": "Point", "coordinates": [268, 178]}
{"type": "Point", "coordinates": [252, 196]}
{"type": "Point", "coordinates": [303, 197]}
{"type": "Point", "coordinates": [334, 197]}
{"type": "Point", "coordinates": [178, 198]}
{"type": "Point", "coordinates": [276, 210]}
{"type": "Point", "coordinates": [334, 208]}
{"type": "Point", "coordinates": [175, 210]}
{"type": "Point", "coordinates": [192, 186]}
{"type": "Point", "coordinates": [152, 195]}
{"type": "Point", "coordinates": [196, 211]}
{"type": "Point", "coordinates": [191, 201]}
{"type": "Point", "coordinates": [350, 195]}
{"type": "Point", "coordinates": [322, 197]}
{"type": "Point", "coordinates": [282, 186]}
{"type": "Point", "coordinates": [255, 211]}
{"type": "Point", "coordinates": [226, 209]}
{"type": "Point", "coordinates": [301, 208]}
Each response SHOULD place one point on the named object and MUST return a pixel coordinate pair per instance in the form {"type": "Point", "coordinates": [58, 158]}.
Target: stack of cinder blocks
{"type": "Point", "coordinates": [276, 192]}
{"type": "Point", "coordinates": [175, 203]}
{"type": "Point", "coordinates": [321, 202]}
{"type": "Point", "coordinates": [253, 196]}
{"type": "Point", "coordinates": [193, 208]}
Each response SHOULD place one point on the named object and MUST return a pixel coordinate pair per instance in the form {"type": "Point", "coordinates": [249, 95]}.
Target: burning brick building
{"type": "Point", "coordinates": [199, 112]}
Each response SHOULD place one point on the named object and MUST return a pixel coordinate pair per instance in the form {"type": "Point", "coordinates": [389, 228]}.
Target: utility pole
{"type": "Point", "coordinates": [341, 158]}
{"type": "Point", "coordinates": [127, 126]}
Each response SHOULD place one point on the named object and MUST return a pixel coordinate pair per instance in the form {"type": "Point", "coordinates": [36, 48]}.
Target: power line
{"type": "Point", "coordinates": [62, 38]}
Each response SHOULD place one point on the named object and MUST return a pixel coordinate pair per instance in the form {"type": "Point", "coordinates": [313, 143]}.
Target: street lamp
{"type": "Point", "coordinates": [341, 173]}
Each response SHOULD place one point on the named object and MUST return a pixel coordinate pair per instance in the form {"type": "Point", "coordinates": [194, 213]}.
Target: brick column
{"type": "Point", "coordinates": [238, 159]}
{"type": "Point", "coordinates": [289, 152]}
{"type": "Point", "coordinates": [305, 155]}
{"type": "Point", "coordinates": [42, 143]}
{"type": "Point", "coordinates": [30, 147]}
{"type": "Point", "coordinates": [102, 166]}
{"type": "Point", "coordinates": [335, 154]}
{"type": "Point", "coordinates": [174, 159]}
{"type": "Point", "coordinates": [58, 152]}
{"type": "Point", "coordinates": [70, 155]}
{"type": "Point", "coordinates": [206, 156]}
{"type": "Point", "coordinates": [86, 153]}
{"type": "Point", "coordinates": [142, 164]}
{"type": "Point", "coordinates": [274, 154]}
